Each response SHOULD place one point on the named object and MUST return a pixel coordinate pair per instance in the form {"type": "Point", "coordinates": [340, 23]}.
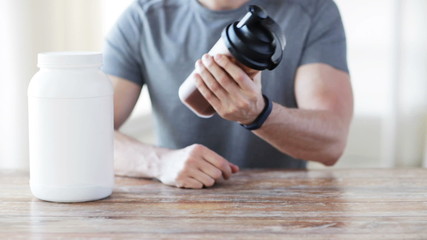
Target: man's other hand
{"type": "Point", "coordinates": [195, 166]}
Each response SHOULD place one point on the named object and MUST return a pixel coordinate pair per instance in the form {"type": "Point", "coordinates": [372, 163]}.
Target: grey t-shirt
{"type": "Point", "coordinates": [156, 42]}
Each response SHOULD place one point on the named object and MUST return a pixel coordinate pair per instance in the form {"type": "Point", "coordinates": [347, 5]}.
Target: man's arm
{"type": "Point", "coordinates": [192, 167]}
{"type": "Point", "coordinates": [127, 150]}
{"type": "Point", "coordinates": [316, 131]}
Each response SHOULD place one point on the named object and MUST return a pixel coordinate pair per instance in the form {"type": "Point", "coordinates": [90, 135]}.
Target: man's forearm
{"type": "Point", "coordinates": [135, 159]}
{"type": "Point", "coordinates": [306, 134]}
{"type": "Point", "coordinates": [194, 166]}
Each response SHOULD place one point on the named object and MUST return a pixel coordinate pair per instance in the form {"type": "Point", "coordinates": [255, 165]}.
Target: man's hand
{"type": "Point", "coordinates": [235, 95]}
{"type": "Point", "coordinates": [194, 167]}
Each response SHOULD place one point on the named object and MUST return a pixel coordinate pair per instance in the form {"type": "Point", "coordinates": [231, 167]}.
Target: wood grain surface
{"type": "Point", "coordinates": [254, 204]}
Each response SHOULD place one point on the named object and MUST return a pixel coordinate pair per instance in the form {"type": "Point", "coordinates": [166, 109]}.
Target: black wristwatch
{"type": "Point", "coordinates": [262, 116]}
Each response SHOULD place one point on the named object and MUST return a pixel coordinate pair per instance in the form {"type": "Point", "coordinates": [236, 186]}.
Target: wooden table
{"type": "Point", "coordinates": [256, 204]}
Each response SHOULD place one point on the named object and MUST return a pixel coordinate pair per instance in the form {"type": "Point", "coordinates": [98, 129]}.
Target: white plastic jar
{"type": "Point", "coordinates": [70, 104]}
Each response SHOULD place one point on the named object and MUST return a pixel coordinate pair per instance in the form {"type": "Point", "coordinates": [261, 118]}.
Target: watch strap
{"type": "Point", "coordinates": [259, 121]}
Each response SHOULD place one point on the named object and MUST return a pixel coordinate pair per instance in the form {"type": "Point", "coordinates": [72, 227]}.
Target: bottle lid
{"type": "Point", "coordinates": [256, 40]}
{"type": "Point", "coordinates": [69, 59]}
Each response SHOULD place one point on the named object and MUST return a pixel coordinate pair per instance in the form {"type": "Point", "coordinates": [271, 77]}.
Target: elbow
{"type": "Point", "coordinates": [327, 155]}
{"type": "Point", "coordinates": [117, 124]}
{"type": "Point", "coordinates": [327, 158]}
{"type": "Point", "coordinates": [333, 153]}
{"type": "Point", "coordinates": [330, 162]}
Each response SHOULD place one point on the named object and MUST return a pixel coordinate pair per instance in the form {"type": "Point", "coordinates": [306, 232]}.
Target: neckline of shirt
{"type": "Point", "coordinates": [209, 13]}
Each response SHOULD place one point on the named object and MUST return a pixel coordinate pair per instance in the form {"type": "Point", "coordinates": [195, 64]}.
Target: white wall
{"type": "Point", "coordinates": [412, 87]}
{"type": "Point", "coordinates": [14, 75]}
{"type": "Point", "coordinates": [387, 55]}
{"type": "Point", "coordinates": [28, 27]}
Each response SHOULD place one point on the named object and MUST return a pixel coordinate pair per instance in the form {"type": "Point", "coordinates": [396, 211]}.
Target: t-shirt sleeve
{"type": "Point", "coordinates": [122, 55]}
{"type": "Point", "coordinates": [326, 41]}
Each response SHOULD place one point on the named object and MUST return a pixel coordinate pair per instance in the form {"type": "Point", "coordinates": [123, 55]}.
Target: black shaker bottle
{"type": "Point", "coordinates": [256, 41]}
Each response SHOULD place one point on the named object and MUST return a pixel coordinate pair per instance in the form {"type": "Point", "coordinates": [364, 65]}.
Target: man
{"type": "Point", "coordinates": [157, 42]}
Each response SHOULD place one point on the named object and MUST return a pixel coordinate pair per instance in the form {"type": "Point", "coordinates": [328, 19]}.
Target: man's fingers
{"type": "Point", "coordinates": [202, 177]}
{"type": "Point", "coordinates": [239, 76]}
{"type": "Point", "coordinates": [206, 92]}
{"type": "Point", "coordinates": [220, 76]}
{"type": "Point", "coordinates": [210, 80]}
{"type": "Point", "coordinates": [218, 162]}
{"type": "Point", "coordinates": [190, 183]}
{"type": "Point", "coordinates": [234, 168]}
{"type": "Point", "coordinates": [227, 174]}
{"type": "Point", "coordinates": [211, 170]}
{"type": "Point", "coordinates": [193, 167]}
{"type": "Point", "coordinates": [205, 166]}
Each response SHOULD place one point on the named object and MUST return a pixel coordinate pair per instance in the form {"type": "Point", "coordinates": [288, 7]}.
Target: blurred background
{"type": "Point", "coordinates": [387, 54]}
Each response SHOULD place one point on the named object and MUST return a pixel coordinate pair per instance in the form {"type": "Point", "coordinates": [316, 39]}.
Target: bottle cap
{"type": "Point", "coordinates": [256, 40]}
{"type": "Point", "coordinates": [69, 59]}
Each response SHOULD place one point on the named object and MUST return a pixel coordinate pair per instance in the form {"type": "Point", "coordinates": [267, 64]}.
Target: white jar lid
{"type": "Point", "coordinates": [69, 59]}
